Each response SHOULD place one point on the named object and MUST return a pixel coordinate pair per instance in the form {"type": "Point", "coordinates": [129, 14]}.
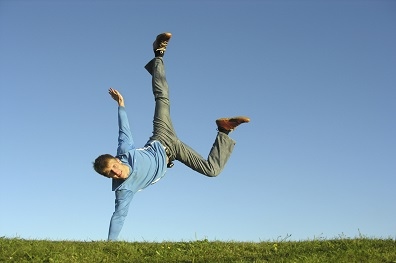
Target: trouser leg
{"type": "Point", "coordinates": [164, 132]}
{"type": "Point", "coordinates": [217, 158]}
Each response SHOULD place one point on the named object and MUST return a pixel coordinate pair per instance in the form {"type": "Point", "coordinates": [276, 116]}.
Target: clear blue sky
{"type": "Point", "coordinates": [317, 79]}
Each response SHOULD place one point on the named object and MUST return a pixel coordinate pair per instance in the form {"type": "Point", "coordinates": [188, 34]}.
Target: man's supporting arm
{"type": "Point", "coordinates": [122, 202]}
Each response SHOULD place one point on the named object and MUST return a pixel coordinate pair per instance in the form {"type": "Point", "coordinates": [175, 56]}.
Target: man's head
{"type": "Point", "coordinates": [110, 167]}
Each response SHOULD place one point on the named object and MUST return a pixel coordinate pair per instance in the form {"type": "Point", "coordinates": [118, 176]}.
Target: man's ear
{"type": "Point", "coordinates": [118, 160]}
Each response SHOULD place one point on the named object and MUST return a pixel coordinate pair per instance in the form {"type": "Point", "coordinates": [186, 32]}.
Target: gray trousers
{"type": "Point", "coordinates": [164, 132]}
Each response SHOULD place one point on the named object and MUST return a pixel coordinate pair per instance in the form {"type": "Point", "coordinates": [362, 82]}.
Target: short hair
{"type": "Point", "coordinates": [101, 163]}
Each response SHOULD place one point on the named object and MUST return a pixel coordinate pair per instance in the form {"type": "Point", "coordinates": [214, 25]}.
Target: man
{"type": "Point", "coordinates": [133, 169]}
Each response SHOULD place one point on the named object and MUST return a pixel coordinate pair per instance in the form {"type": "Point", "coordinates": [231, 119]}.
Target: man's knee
{"type": "Point", "coordinates": [212, 173]}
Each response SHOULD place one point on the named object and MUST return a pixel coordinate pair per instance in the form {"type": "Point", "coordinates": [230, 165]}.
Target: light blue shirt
{"type": "Point", "coordinates": [147, 165]}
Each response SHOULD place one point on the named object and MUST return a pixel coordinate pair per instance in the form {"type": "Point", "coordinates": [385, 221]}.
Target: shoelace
{"type": "Point", "coordinates": [162, 46]}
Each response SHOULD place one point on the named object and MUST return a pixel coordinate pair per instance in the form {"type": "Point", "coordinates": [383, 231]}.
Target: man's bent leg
{"type": "Point", "coordinates": [217, 158]}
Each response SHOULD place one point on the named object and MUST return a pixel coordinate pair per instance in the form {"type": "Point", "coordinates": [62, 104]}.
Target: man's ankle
{"type": "Point", "coordinates": [159, 53]}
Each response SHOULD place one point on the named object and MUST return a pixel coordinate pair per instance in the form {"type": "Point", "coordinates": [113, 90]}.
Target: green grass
{"type": "Point", "coordinates": [333, 250]}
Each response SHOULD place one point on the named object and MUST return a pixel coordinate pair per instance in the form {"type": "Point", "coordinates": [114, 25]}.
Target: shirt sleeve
{"type": "Point", "coordinates": [122, 202]}
{"type": "Point", "coordinates": [125, 140]}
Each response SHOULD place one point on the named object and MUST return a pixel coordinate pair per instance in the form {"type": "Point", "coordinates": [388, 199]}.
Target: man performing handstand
{"type": "Point", "coordinates": [133, 169]}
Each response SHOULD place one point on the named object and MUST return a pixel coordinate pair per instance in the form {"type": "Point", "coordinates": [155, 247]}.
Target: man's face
{"type": "Point", "coordinates": [116, 170]}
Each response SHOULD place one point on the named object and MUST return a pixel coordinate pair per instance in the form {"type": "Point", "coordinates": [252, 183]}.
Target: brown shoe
{"type": "Point", "coordinates": [229, 124]}
{"type": "Point", "coordinates": [160, 43]}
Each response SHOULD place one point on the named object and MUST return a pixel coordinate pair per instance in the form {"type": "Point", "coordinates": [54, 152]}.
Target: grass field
{"type": "Point", "coordinates": [332, 250]}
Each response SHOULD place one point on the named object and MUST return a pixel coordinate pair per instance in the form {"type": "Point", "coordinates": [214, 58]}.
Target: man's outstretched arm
{"type": "Point", "coordinates": [125, 140]}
